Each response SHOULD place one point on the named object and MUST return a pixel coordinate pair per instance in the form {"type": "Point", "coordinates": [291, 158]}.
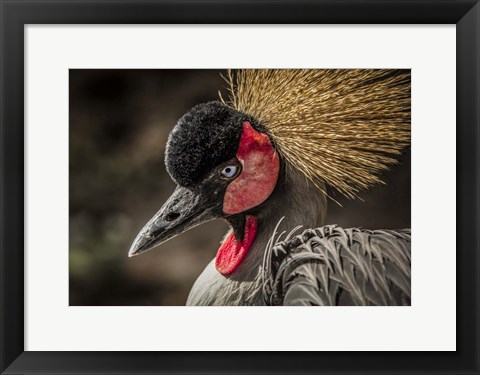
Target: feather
{"type": "Point", "coordinates": [341, 126]}
{"type": "Point", "coordinates": [331, 265]}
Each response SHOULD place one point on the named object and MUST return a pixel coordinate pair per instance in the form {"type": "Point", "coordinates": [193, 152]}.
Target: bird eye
{"type": "Point", "coordinates": [229, 171]}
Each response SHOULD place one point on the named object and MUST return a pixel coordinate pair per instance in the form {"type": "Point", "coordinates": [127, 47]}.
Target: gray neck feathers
{"type": "Point", "coordinates": [296, 202]}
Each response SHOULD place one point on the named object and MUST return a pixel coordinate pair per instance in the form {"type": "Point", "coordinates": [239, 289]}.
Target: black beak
{"type": "Point", "coordinates": [184, 209]}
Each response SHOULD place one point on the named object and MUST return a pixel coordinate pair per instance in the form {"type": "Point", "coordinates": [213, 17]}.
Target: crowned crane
{"type": "Point", "coordinates": [262, 161]}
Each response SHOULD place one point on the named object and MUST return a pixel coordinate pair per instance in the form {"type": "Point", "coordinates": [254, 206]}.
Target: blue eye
{"type": "Point", "coordinates": [229, 171]}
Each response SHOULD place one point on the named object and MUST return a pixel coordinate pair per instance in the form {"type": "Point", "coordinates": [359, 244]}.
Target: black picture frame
{"type": "Point", "coordinates": [15, 14]}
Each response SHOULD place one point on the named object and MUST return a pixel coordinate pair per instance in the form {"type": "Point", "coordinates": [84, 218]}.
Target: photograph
{"type": "Point", "coordinates": [240, 187]}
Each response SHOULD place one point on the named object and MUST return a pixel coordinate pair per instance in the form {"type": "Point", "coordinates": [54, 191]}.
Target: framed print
{"type": "Point", "coordinates": [273, 166]}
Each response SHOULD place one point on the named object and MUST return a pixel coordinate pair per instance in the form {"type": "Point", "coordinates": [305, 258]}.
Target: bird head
{"type": "Point", "coordinates": [224, 164]}
{"type": "Point", "coordinates": [335, 127]}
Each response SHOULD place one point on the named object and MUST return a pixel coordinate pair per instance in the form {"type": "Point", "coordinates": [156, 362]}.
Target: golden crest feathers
{"type": "Point", "coordinates": [340, 126]}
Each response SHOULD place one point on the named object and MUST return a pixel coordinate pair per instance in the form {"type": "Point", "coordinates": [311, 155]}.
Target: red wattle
{"type": "Point", "coordinates": [232, 251]}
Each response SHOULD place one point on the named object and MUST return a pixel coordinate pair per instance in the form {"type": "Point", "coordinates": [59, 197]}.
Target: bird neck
{"type": "Point", "coordinates": [295, 202]}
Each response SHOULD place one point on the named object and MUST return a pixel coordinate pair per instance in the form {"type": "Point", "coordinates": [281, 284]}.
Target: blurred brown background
{"type": "Point", "coordinates": [119, 123]}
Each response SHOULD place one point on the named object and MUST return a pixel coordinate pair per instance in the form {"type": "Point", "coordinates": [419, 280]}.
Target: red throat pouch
{"type": "Point", "coordinates": [233, 251]}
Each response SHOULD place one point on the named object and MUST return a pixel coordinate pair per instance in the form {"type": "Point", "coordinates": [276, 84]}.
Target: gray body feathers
{"type": "Point", "coordinates": [335, 266]}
